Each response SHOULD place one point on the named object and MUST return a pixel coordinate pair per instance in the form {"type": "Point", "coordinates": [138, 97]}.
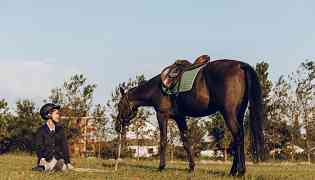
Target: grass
{"type": "Point", "coordinates": [18, 167]}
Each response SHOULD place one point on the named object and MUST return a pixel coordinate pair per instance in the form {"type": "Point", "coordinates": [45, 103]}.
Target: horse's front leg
{"type": "Point", "coordinates": [162, 119]}
{"type": "Point", "coordinates": [182, 126]}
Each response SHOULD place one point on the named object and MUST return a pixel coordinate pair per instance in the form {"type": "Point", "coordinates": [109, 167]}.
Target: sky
{"type": "Point", "coordinates": [43, 43]}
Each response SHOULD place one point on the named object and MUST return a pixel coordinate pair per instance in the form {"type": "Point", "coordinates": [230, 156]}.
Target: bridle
{"type": "Point", "coordinates": [128, 103]}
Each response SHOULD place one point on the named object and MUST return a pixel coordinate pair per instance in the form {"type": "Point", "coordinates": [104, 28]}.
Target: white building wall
{"type": "Point", "coordinates": [144, 151]}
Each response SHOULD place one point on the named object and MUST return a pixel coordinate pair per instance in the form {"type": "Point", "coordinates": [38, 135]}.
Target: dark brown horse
{"type": "Point", "coordinates": [223, 85]}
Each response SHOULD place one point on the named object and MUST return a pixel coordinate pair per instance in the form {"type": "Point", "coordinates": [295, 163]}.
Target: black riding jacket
{"type": "Point", "coordinates": [51, 144]}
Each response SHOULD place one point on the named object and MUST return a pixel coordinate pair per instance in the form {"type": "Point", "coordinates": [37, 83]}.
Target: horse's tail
{"type": "Point", "coordinates": [256, 112]}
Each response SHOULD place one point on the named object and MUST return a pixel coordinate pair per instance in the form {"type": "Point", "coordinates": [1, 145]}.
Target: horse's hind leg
{"type": "Point", "coordinates": [240, 118]}
{"type": "Point", "coordinates": [238, 142]}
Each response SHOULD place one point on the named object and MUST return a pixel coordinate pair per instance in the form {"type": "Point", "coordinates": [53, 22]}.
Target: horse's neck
{"type": "Point", "coordinates": [139, 97]}
{"type": "Point", "coordinates": [143, 94]}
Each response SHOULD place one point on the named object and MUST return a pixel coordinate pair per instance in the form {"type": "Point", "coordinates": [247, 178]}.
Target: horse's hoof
{"type": "Point", "coordinates": [241, 173]}
{"type": "Point", "coordinates": [161, 168]}
{"type": "Point", "coordinates": [191, 169]}
{"type": "Point", "coordinates": [233, 173]}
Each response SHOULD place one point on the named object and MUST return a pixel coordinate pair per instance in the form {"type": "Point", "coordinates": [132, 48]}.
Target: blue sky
{"type": "Point", "coordinates": [43, 42]}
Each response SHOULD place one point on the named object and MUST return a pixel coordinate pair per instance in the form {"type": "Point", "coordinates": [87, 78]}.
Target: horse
{"type": "Point", "coordinates": [225, 86]}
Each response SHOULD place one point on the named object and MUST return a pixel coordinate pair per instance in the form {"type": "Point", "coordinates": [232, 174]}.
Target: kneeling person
{"type": "Point", "coordinates": [51, 143]}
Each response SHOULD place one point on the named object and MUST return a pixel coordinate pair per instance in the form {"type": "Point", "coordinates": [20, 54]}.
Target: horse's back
{"type": "Point", "coordinates": [223, 65]}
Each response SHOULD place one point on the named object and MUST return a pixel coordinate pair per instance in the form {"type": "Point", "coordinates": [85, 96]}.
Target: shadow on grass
{"type": "Point", "coordinates": [152, 168]}
{"type": "Point", "coordinates": [217, 173]}
{"type": "Point", "coordinates": [156, 169]}
{"type": "Point", "coordinates": [108, 165]}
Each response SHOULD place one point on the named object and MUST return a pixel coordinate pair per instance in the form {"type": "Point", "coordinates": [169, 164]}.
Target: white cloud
{"type": "Point", "coordinates": [31, 79]}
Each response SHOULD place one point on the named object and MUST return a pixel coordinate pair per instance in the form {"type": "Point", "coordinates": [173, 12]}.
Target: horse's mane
{"type": "Point", "coordinates": [144, 84]}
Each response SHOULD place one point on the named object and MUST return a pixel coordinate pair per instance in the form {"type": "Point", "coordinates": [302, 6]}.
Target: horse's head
{"type": "Point", "coordinates": [127, 110]}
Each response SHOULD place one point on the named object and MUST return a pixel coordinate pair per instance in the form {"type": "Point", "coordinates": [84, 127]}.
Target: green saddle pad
{"type": "Point", "coordinates": [188, 79]}
{"type": "Point", "coordinates": [186, 82]}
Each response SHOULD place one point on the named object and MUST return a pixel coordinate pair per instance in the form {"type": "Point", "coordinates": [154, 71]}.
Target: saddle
{"type": "Point", "coordinates": [173, 73]}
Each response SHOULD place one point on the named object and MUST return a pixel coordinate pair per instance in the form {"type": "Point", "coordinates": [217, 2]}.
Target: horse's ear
{"type": "Point", "coordinates": [122, 91]}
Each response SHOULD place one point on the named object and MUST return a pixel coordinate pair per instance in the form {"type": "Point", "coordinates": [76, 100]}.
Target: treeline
{"type": "Point", "coordinates": [288, 103]}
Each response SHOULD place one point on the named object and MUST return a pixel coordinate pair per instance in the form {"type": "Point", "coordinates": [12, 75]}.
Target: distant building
{"type": "Point", "coordinates": [86, 143]}
{"type": "Point", "coordinates": [142, 147]}
{"type": "Point", "coordinates": [144, 151]}
{"type": "Point", "coordinates": [212, 153]}
{"type": "Point", "coordinates": [297, 150]}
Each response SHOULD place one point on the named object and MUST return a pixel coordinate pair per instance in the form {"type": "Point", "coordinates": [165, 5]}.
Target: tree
{"type": "Point", "coordinates": [173, 137]}
{"type": "Point", "coordinates": [278, 136]}
{"type": "Point", "coordinates": [76, 99]}
{"type": "Point", "coordinates": [5, 118]}
{"type": "Point", "coordinates": [262, 69]}
{"type": "Point", "coordinates": [102, 125]}
{"type": "Point", "coordinates": [197, 131]}
{"type": "Point", "coordinates": [294, 118]}
{"type": "Point", "coordinates": [23, 126]}
{"type": "Point", "coordinates": [304, 82]}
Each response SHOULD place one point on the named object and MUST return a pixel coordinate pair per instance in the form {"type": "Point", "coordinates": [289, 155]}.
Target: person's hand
{"type": "Point", "coordinates": [69, 166]}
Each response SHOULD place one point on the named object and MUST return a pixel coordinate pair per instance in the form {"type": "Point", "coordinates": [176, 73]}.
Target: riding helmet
{"type": "Point", "coordinates": [46, 109]}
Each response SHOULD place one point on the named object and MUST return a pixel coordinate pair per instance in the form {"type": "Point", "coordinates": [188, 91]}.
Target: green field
{"type": "Point", "coordinates": [18, 167]}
